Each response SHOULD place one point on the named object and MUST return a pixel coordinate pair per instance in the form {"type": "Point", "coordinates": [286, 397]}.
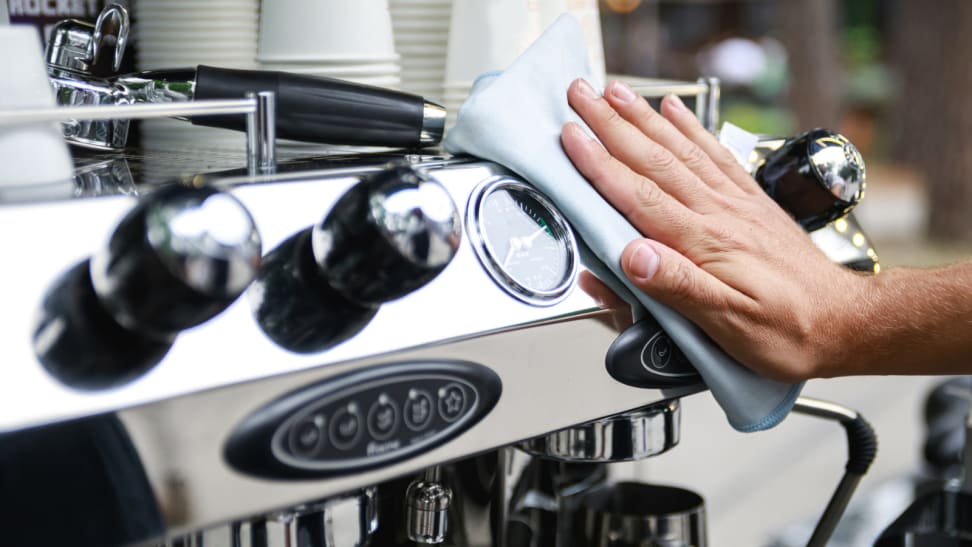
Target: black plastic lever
{"type": "Point", "coordinates": [645, 356]}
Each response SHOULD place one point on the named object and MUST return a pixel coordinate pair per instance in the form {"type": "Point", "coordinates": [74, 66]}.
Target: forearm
{"type": "Point", "coordinates": [909, 321]}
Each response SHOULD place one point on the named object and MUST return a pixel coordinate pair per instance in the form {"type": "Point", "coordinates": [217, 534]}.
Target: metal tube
{"type": "Point", "coordinates": [824, 409]}
{"type": "Point", "coordinates": [861, 454]}
{"type": "Point", "coordinates": [129, 111]}
{"type": "Point", "coordinates": [674, 88]}
{"type": "Point", "coordinates": [707, 103]}
{"type": "Point", "coordinates": [261, 133]}
{"type": "Point", "coordinates": [835, 510]}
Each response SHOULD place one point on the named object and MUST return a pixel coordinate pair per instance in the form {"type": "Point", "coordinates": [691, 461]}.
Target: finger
{"type": "Point", "coordinates": [649, 209]}
{"type": "Point", "coordinates": [600, 292]}
{"type": "Point", "coordinates": [693, 157]}
{"type": "Point", "coordinates": [683, 119]}
{"type": "Point", "coordinates": [627, 143]}
{"type": "Point", "coordinates": [674, 280]}
{"type": "Point", "coordinates": [620, 317]}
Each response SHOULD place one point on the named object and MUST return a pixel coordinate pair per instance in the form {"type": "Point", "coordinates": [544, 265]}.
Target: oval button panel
{"type": "Point", "coordinates": [363, 419]}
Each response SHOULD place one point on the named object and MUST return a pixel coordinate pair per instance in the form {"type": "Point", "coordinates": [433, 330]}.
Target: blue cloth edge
{"type": "Point", "coordinates": [777, 415]}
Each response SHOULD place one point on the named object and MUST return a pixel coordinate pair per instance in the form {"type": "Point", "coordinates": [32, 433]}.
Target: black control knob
{"type": "Point", "coordinates": [387, 236]}
{"type": "Point", "coordinates": [176, 260]}
{"type": "Point", "coordinates": [818, 177]}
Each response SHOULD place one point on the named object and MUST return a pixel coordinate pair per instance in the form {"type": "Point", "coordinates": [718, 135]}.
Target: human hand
{"type": "Point", "coordinates": [717, 248]}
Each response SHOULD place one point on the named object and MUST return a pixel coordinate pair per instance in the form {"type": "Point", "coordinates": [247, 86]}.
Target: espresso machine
{"type": "Point", "coordinates": [345, 349]}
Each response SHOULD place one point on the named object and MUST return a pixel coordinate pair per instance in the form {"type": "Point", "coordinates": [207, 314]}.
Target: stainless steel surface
{"type": "Point", "coordinates": [433, 124]}
{"type": "Point", "coordinates": [157, 87]}
{"type": "Point", "coordinates": [76, 45]}
{"type": "Point", "coordinates": [118, 14]}
{"type": "Point", "coordinates": [824, 409]}
{"type": "Point", "coordinates": [629, 436]}
{"type": "Point", "coordinates": [707, 103]}
{"type": "Point", "coordinates": [636, 515]}
{"type": "Point", "coordinates": [427, 505]}
{"type": "Point", "coordinates": [129, 111]}
{"type": "Point", "coordinates": [210, 244]}
{"type": "Point", "coordinates": [525, 275]}
{"type": "Point", "coordinates": [261, 133]}
{"type": "Point", "coordinates": [343, 521]}
{"type": "Point", "coordinates": [77, 98]}
{"type": "Point", "coordinates": [180, 413]}
{"type": "Point", "coordinates": [839, 166]}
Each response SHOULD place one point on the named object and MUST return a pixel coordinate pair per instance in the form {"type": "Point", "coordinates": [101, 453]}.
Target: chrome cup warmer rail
{"type": "Point", "coordinates": [556, 405]}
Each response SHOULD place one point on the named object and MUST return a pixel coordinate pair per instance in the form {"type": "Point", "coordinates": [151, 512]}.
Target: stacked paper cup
{"type": "Point", "coordinates": [483, 36]}
{"type": "Point", "coordinates": [421, 37]}
{"type": "Point", "coordinates": [331, 38]}
{"type": "Point", "coordinates": [488, 36]}
{"type": "Point", "coordinates": [186, 33]}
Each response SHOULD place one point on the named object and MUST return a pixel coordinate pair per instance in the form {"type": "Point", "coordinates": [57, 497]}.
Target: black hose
{"type": "Point", "coordinates": [861, 445]}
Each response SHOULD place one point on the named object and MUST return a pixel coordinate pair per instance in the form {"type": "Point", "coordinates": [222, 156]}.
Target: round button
{"type": "Point", "coordinates": [661, 352]}
{"type": "Point", "coordinates": [382, 418]}
{"type": "Point", "coordinates": [452, 402]}
{"type": "Point", "coordinates": [418, 410]}
{"type": "Point", "coordinates": [345, 428]}
{"type": "Point", "coordinates": [657, 353]}
{"type": "Point", "coordinates": [307, 436]}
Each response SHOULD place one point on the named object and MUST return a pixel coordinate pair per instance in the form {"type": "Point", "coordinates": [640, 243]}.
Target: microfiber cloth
{"type": "Point", "coordinates": [515, 118]}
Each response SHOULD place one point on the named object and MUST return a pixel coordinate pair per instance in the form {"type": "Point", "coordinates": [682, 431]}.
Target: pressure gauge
{"type": "Point", "coordinates": [522, 240]}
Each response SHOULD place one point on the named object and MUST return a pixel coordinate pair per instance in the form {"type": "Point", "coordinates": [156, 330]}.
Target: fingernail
{"type": "Point", "coordinates": [585, 89]}
{"type": "Point", "coordinates": [677, 103]}
{"type": "Point", "coordinates": [623, 92]}
{"type": "Point", "coordinates": [644, 262]}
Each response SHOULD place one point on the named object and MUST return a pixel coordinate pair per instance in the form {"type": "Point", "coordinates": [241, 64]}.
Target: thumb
{"type": "Point", "coordinates": [667, 276]}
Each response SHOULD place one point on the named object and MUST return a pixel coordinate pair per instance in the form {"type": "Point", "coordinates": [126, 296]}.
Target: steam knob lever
{"type": "Point", "coordinates": [817, 177]}
{"type": "Point", "coordinates": [176, 260]}
{"type": "Point", "coordinates": [387, 236]}
{"type": "Point", "coordinates": [427, 509]}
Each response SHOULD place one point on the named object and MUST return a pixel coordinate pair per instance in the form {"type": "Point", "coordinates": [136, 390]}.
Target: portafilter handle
{"type": "Point", "coordinates": [817, 177]}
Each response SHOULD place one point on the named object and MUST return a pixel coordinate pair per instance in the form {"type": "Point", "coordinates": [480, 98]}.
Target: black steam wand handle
{"type": "Point", "coordinates": [326, 110]}
{"type": "Point", "coordinates": [861, 449]}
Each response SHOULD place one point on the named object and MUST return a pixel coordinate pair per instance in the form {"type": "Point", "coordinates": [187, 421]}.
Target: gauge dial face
{"type": "Point", "coordinates": [523, 242]}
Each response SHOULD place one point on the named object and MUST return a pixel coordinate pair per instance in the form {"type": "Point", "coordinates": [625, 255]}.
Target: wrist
{"type": "Point", "coordinates": [846, 321]}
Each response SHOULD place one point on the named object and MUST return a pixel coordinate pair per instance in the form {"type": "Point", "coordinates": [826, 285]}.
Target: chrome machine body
{"type": "Point", "coordinates": [181, 413]}
{"type": "Point", "coordinates": [410, 322]}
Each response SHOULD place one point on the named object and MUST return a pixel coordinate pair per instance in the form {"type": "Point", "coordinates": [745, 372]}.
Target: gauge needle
{"type": "Point", "coordinates": [528, 240]}
{"type": "Point", "coordinates": [514, 243]}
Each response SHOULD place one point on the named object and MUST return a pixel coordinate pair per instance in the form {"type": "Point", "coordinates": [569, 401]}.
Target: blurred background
{"type": "Point", "coordinates": [891, 75]}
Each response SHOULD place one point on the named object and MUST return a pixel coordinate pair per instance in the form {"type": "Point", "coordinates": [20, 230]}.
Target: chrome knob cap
{"type": "Point", "coordinates": [818, 177]}
{"type": "Point", "coordinates": [387, 236]}
{"type": "Point", "coordinates": [176, 260]}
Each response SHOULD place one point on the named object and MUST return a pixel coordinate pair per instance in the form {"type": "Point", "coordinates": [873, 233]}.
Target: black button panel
{"type": "Point", "coordinates": [364, 419]}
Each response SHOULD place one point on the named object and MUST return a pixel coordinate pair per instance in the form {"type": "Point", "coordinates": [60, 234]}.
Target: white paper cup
{"type": "Point", "coordinates": [178, 33]}
{"type": "Point", "coordinates": [295, 29]}
{"type": "Point", "coordinates": [379, 69]}
{"type": "Point", "coordinates": [485, 36]}
{"type": "Point", "coordinates": [36, 153]}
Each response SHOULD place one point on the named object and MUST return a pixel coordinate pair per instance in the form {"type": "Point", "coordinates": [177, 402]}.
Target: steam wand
{"type": "Point", "coordinates": [861, 449]}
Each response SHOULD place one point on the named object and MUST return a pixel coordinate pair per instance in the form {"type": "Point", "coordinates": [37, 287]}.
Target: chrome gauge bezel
{"type": "Point", "coordinates": [558, 225]}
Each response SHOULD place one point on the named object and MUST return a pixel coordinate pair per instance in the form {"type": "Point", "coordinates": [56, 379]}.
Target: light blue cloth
{"type": "Point", "coordinates": [515, 119]}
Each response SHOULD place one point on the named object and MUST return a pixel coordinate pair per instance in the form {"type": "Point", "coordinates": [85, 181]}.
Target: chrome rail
{"type": "Point", "coordinates": [258, 107]}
